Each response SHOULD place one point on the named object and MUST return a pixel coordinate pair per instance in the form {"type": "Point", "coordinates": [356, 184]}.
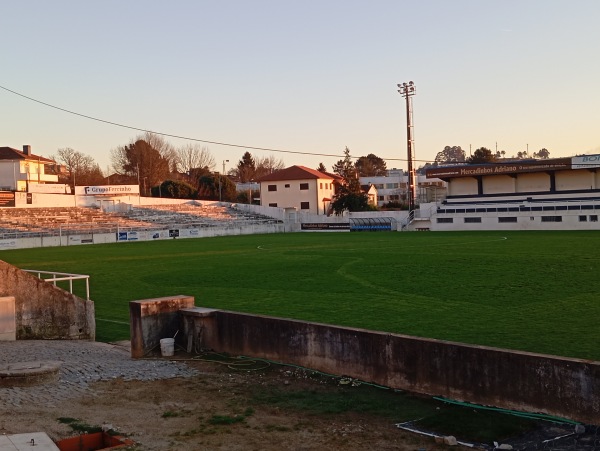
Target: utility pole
{"type": "Point", "coordinates": [220, 188]}
{"type": "Point", "coordinates": [407, 90]}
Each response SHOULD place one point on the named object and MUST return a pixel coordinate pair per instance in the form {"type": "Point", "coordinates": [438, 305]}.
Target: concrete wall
{"type": "Point", "coordinates": [574, 180]}
{"type": "Point", "coordinates": [462, 186]}
{"type": "Point", "coordinates": [154, 319]}
{"type": "Point", "coordinates": [509, 379]}
{"type": "Point", "coordinates": [498, 184]}
{"type": "Point", "coordinates": [142, 235]}
{"type": "Point", "coordinates": [42, 200]}
{"type": "Point", "coordinates": [44, 311]}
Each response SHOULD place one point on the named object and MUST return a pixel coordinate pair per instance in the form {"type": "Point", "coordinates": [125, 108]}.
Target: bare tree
{"type": "Point", "coordinates": [164, 148]}
{"type": "Point", "coordinates": [268, 165]}
{"type": "Point", "coordinates": [81, 169]}
{"type": "Point", "coordinates": [194, 156]}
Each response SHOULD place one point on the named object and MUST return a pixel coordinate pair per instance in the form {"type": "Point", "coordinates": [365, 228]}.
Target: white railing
{"type": "Point", "coordinates": [62, 276]}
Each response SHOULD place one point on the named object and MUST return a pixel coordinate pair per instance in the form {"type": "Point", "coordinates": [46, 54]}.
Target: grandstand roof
{"type": "Point", "coordinates": [8, 153]}
{"type": "Point", "coordinates": [297, 173]}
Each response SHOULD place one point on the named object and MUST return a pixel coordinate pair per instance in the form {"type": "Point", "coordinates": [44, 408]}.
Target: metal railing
{"type": "Point", "coordinates": [62, 276]}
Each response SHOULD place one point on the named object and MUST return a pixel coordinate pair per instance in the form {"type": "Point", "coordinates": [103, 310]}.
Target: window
{"type": "Point", "coordinates": [379, 185]}
{"type": "Point", "coordinates": [391, 185]}
{"type": "Point", "coordinates": [304, 205]}
{"type": "Point", "coordinates": [287, 185]}
{"type": "Point", "coordinates": [321, 185]}
{"type": "Point", "coordinates": [394, 197]}
{"type": "Point", "coordinates": [582, 218]}
{"type": "Point", "coordinates": [303, 186]}
{"type": "Point", "coordinates": [273, 205]}
{"type": "Point", "coordinates": [472, 220]}
{"type": "Point", "coordinates": [551, 218]}
{"type": "Point", "coordinates": [272, 187]}
{"type": "Point", "coordinates": [507, 219]}
{"type": "Point", "coordinates": [381, 198]}
{"type": "Point", "coordinates": [445, 220]}
{"type": "Point", "coordinates": [593, 218]}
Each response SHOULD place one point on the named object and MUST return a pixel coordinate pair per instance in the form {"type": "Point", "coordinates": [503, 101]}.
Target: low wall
{"type": "Point", "coordinates": [76, 238]}
{"type": "Point", "coordinates": [523, 381]}
{"type": "Point", "coordinates": [153, 319]}
{"type": "Point", "coordinates": [44, 311]}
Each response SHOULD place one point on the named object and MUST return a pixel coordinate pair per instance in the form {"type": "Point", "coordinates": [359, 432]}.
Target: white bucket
{"type": "Point", "coordinates": [167, 347]}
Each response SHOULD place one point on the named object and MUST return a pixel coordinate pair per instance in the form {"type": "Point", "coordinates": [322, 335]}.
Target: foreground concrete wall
{"type": "Point", "coordinates": [44, 311]}
{"type": "Point", "coordinates": [515, 380]}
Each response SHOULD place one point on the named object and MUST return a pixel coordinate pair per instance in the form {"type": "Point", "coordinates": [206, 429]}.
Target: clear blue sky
{"type": "Point", "coordinates": [309, 76]}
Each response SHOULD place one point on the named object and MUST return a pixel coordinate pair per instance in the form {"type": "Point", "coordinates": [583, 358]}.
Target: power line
{"type": "Point", "coordinates": [218, 143]}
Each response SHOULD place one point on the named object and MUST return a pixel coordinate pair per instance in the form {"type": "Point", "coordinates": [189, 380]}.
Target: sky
{"type": "Point", "coordinates": [307, 77]}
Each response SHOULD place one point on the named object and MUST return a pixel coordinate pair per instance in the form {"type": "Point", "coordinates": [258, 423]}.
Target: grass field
{"type": "Point", "coordinates": [533, 291]}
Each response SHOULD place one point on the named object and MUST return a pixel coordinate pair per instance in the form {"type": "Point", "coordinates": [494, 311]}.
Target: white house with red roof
{"type": "Point", "coordinates": [298, 187]}
{"type": "Point", "coordinates": [20, 169]}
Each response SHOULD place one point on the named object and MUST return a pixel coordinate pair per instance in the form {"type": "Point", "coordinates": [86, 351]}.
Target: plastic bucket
{"type": "Point", "coordinates": [167, 347]}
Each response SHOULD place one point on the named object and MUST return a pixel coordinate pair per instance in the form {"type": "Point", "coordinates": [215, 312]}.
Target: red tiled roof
{"type": "Point", "coordinates": [296, 173]}
{"type": "Point", "coordinates": [8, 153]}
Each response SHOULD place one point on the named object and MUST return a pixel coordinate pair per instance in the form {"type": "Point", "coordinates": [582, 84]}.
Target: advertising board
{"type": "Point", "coordinates": [107, 190]}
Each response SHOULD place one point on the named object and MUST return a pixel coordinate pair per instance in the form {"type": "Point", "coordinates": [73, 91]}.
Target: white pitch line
{"type": "Point", "coordinates": [111, 321]}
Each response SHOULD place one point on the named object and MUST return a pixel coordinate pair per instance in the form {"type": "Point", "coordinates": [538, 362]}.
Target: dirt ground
{"type": "Point", "coordinates": [179, 414]}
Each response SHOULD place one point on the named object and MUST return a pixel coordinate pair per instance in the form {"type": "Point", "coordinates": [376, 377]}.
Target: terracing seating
{"type": "Point", "coordinates": [52, 221]}
{"type": "Point", "coordinates": [67, 220]}
{"type": "Point", "coordinates": [195, 215]}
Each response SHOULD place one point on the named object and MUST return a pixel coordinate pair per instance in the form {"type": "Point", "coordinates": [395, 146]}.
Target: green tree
{"type": "Point", "coordinates": [481, 155]}
{"type": "Point", "coordinates": [345, 168]}
{"type": "Point", "coordinates": [349, 196]}
{"type": "Point", "coordinates": [450, 154]}
{"type": "Point", "coordinates": [543, 154]}
{"type": "Point", "coordinates": [371, 166]}
{"type": "Point", "coordinates": [322, 168]}
{"type": "Point", "coordinates": [149, 159]}
{"type": "Point", "coordinates": [175, 189]}
{"type": "Point", "coordinates": [245, 170]}
{"type": "Point", "coordinates": [209, 187]}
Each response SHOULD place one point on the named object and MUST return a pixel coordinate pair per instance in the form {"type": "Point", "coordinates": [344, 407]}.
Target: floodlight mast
{"type": "Point", "coordinates": [407, 90]}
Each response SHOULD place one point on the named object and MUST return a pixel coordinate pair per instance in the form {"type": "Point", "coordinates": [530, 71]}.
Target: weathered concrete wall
{"type": "Point", "coordinates": [153, 319]}
{"type": "Point", "coordinates": [516, 380]}
{"type": "Point", "coordinates": [44, 311]}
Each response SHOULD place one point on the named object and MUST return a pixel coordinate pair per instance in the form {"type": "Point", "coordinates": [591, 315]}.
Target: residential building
{"type": "Point", "coordinates": [19, 170]}
{"type": "Point", "coordinates": [393, 187]}
{"type": "Point", "coordinates": [298, 187]}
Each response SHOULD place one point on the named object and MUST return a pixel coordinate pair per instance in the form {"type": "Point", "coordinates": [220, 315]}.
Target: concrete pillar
{"type": "Point", "coordinates": [153, 319]}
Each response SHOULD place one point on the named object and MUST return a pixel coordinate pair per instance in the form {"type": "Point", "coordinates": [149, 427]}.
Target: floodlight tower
{"type": "Point", "coordinates": [407, 90]}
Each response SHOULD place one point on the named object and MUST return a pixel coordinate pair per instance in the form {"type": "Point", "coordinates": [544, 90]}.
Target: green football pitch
{"type": "Point", "coordinates": [532, 291]}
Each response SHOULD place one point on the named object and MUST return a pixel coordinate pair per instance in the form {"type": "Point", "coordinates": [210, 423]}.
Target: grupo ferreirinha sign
{"type": "Point", "coordinates": [107, 190]}
{"type": "Point", "coordinates": [513, 167]}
